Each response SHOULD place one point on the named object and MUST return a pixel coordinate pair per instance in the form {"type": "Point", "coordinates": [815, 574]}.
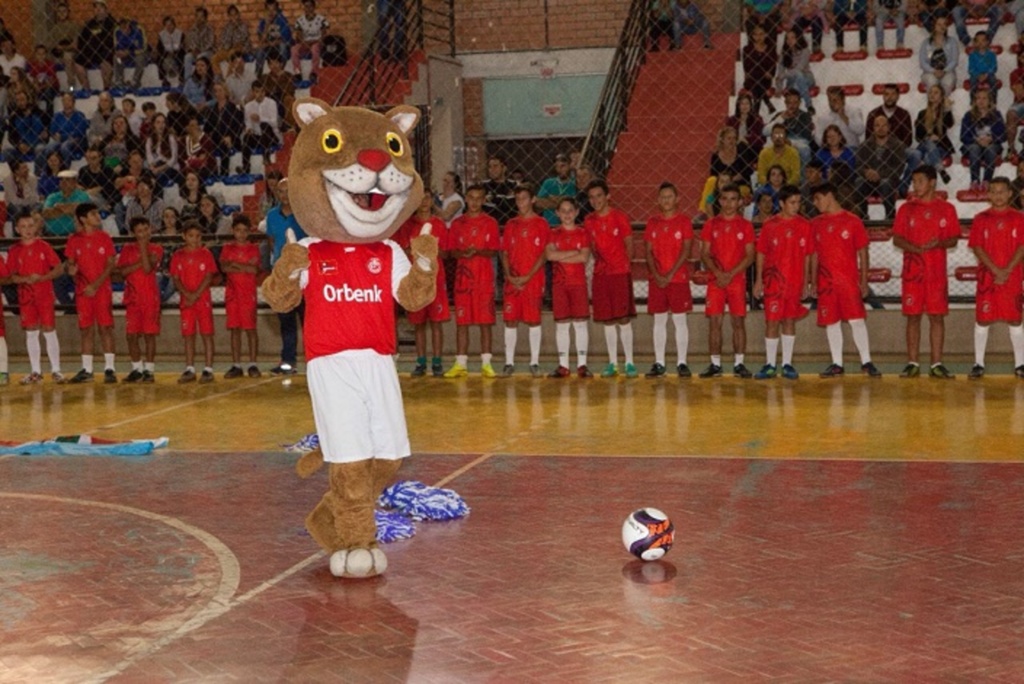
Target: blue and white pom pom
{"type": "Point", "coordinates": [393, 527]}
{"type": "Point", "coordinates": [423, 502]}
{"type": "Point", "coordinates": [310, 442]}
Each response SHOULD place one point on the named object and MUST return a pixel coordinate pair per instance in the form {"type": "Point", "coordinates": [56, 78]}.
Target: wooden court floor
{"type": "Point", "coordinates": [853, 530]}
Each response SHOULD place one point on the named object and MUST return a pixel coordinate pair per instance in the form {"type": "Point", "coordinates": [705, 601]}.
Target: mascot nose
{"type": "Point", "coordinates": [375, 160]}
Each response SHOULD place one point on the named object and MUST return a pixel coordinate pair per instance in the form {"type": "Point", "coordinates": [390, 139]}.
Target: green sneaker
{"type": "Point", "coordinates": [631, 371]}
{"type": "Point", "coordinates": [941, 372]}
{"type": "Point", "coordinates": [911, 370]}
{"type": "Point", "coordinates": [610, 371]}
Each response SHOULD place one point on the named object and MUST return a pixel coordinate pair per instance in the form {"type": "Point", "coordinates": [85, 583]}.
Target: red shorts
{"type": "Point", "coordinates": [436, 311]}
{"type": "Point", "coordinates": [198, 315]}
{"type": "Point", "coordinates": [570, 301]}
{"type": "Point", "coordinates": [522, 306]}
{"type": "Point", "coordinates": [142, 318]}
{"type": "Point", "coordinates": [475, 307]}
{"type": "Point", "coordinates": [998, 302]}
{"type": "Point", "coordinates": [613, 297]}
{"type": "Point", "coordinates": [783, 306]}
{"type": "Point", "coordinates": [839, 304]}
{"type": "Point", "coordinates": [241, 312]}
{"type": "Point", "coordinates": [36, 303]}
{"type": "Point", "coordinates": [95, 310]}
{"type": "Point", "coordinates": [674, 298]}
{"type": "Point", "coordinates": [925, 297]}
{"type": "Point", "coordinates": [733, 295]}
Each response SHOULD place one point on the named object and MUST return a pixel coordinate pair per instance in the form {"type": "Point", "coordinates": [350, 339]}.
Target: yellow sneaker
{"type": "Point", "coordinates": [456, 371]}
{"type": "Point", "coordinates": [487, 371]}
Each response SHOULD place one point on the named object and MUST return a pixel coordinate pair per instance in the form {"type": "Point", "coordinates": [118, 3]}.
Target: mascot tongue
{"type": "Point", "coordinates": [371, 200]}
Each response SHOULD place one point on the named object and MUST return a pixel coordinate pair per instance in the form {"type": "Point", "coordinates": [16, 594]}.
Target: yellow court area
{"type": "Point", "coordinates": [849, 418]}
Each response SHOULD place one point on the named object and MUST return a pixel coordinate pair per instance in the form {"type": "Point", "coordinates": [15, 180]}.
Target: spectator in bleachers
{"type": "Point", "coordinates": [99, 122]}
{"type": "Point", "coordinates": [170, 223]}
{"type": "Point", "coordinates": [209, 217]}
{"type": "Point", "coordinates": [42, 71]}
{"type": "Point", "coordinates": [63, 45]}
{"type": "Point", "coordinates": [145, 203]}
{"type": "Point", "coordinates": [126, 181]}
{"type": "Point", "coordinates": [223, 121]}
{"type": "Point", "coordinates": [198, 88]}
{"type": "Point", "coordinates": [96, 43]}
{"type": "Point", "coordinates": [748, 125]}
{"type": "Point", "coordinates": [900, 123]}
{"type": "Point", "coordinates": [939, 56]}
{"type": "Point", "coordinates": [261, 126]}
{"type": "Point", "coordinates": [798, 123]}
{"type": "Point", "coordinates": [929, 10]}
{"type": "Point", "coordinates": [98, 180]}
{"type": "Point", "coordinates": [556, 188]}
{"type": "Point", "coordinates": [59, 207]}
{"type": "Point", "coordinates": [199, 41]}
{"type": "Point", "coordinates": [688, 20]}
{"type": "Point", "coordinates": [280, 88]}
{"type": "Point", "coordinates": [770, 190]}
{"type": "Point", "coordinates": [238, 82]}
{"type": "Point", "coordinates": [197, 149]}
{"type": "Point", "coordinates": [931, 129]}
{"type": "Point", "coordinates": [310, 29]}
{"type": "Point", "coordinates": [850, 13]}
{"type": "Point", "coordinates": [584, 175]}
{"type": "Point", "coordinates": [170, 52]}
{"type": "Point", "coordinates": [976, 9]}
{"type": "Point", "coordinates": [848, 192]}
{"type": "Point", "coordinates": [813, 177]}
{"type": "Point", "coordinates": [234, 38]}
{"type": "Point", "coordinates": [9, 56]}
{"type": "Point", "coordinates": [49, 181]}
{"type": "Point", "coordinates": [499, 191]}
{"type": "Point", "coordinates": [68, 130]}
{"type": "Point", "coordinates": [982, 135]}
{"type": "Point", "coordinates": [179, 111]}
{"type": "Point", "coordinates": [269, 197]}
{"type": "Point", "coordinates": [391, 30]}
{"type": "Point", "coordinates": [273, 35]}
{"type": "Point", "coordinates": [659, 25]}
{"type": "Point", "coordinates": [26, 130]}
{"type": "Point", "coordinates": [780, 153]}
{"type": "Point", "coordinates": [162, 152]}
{"type": "Point", "coordinates": [733, 158]}
{"type": "Point", "coordinates": [21, 192]}
{"type": "Point", "coordinates": [794, 71]}
{"type": "Point", "coordinates": [760, 62]}
{"type": "Point", "coordinates": [146, 125]}
{"type": "Point", "coordinates": [849, 119]}
{"type": "Point", "coordinates": [889, 10]}
{"type": "Point", "coordinates": [130, 49]}
{"type": "Point", "coordinates": [134, 118]}
{"type": "Point", "coordinates": [809, 14]}
{"type": "Point", "coordinates": [764, 13]}
{"type": "Point", "coordinates": [880, 162]}
{"type": "Point", "coordinates": [982, 66]}
{"type": "Point", "coordinates": [833, 149]}
{"type": "Point", "coordinates": [449, 203]}
{"type": "Point", "coordinates": [192, 190]}
{"type": "Point", "coordinates": [119, 144]}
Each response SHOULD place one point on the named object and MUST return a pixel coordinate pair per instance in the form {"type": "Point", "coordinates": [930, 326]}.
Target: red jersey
{"type": "Point", "coordinates": [608, 235]}
{"type": "Point", "coordinates": [412, 228]}
{"type": "Point", "coordinates": [727, 240]}
{"type": "Point", "coordinates": [1000, 234]}
{"type": "Point", "coordinates": [568, 240]}
{"type": "Point", "coordinates": [474, 232]}
{"type": "Point", "coordinates": [191, 266]}
{"type": "Point", "coordinates": [524, 242]}
{"type": "Point", "coordinates": [786, 243]}
{"type": "Point", "coordinates": [349, 293]}
{"type": "Point", "coordinates": [140, 286]}
{"type": "Point", "coordinates": [33, 258]}
{"type": "Point", "coordinates": [919, 222]}
{"type": "Point", "coordinates": [91, 252]}
{"type": "Point", "coordinates": [246, 254]}
{"type": "Point", "coordinates": [666, 236]}
{"type": "Point", "coordinates": [837, 239]}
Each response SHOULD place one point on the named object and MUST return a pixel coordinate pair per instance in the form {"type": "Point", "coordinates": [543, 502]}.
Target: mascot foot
{"type": "Point", "coordinates": [358, 563]}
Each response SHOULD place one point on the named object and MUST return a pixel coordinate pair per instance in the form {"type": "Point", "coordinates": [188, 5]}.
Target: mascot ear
{"type": "Point", "coordinates": [309, 109]}
{"type": "Point", "coordinates": [404, 116]}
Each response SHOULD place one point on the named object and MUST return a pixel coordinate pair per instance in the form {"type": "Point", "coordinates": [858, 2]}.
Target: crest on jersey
{"type": "Point", "coordinates": [374, 265]}
{"type": "Point", "coordinates": [327, 266]}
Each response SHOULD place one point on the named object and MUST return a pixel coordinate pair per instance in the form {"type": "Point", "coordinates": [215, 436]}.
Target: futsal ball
{"type": "Point", "coordinates": [647, 533]}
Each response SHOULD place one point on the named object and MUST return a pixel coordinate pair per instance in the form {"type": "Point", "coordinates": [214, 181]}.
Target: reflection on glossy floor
{"type": "Point", "coordinates": [852, 530]}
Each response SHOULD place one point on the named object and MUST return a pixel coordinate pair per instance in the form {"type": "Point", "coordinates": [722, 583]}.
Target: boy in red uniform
{"type": "Point", "coordinates": [783, 270]}
{"type": "Point", "coordinates": [840, 266]}
{"type": "Point", "coordinates": [33, 266]}
{"type": "Point", "coordinates": [473, 241]}
{"type": "Point", "coordinates": [611, 236]}
{"type": "Point", "coordinates": [91, 260]}
{"type": "Point", "coordinates": [997, 238]}
{"type": "Point", "coordinates": [193, 268]}
{"type": "Point", "coordinates": [727, 250]}
{"type": "Point", "coordinates": [925, 228]}
{"type": "Point", "coordinates": [240, 263]}
{"type": "Point", "coordinates": [138, 263]}
{"type": "Point", "coordinates": [522, 258]}
{"type": "Point", "coordinates": [669, 237]}
{"type": "Point", "coordinates": [569, 251]}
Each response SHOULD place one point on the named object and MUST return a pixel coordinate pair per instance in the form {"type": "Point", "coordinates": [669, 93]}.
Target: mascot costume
{"type": "Point", "coordinates": [352, 183]}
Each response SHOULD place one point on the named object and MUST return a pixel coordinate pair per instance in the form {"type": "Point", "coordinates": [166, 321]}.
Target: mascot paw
{"type": "Point", "coordinates": [294, 257]}
{"type": "Point", "coordinates": [358, 563]}
{"type": "Point", "coordinates": [425, 249]}
{"type": "Point", "coordinates": [309, 463]}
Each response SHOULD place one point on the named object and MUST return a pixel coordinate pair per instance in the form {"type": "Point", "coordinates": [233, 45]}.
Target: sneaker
{"type": "Point", "coordinates": [657, 371]}
{"type": "Point", "coordinates": [254, 371]}
{"type": "Point", "coordinates": [58, 378]}
{"type": "Point", "coordinates": [134, 376]}
{"type": "Point", "coordinates": [419, 371]}
{"type": "Point", "coordinates": [487, 371]}
{"type": "Point", "coordinates": [80, 377]}
{"type": "Point", "coordinates": [789, 373]}
{"type": "Point", "coordinates": [740, 371]}
{"type": "Point", "coordinates": [109, 376]}
{"type": "Point", "coordinates": [977, 372]}
{"type": "Point", "coordinates": [631, 371]}
{"type": "Point", "coordinates": [610, 371]}
{"type": "Point", "coordinates": [456, 371]}
{"type": "Point", "coordinates": [207, 376]}
{"type": "Point", "coordinates": [834, 370]}
{"type": "Point", "coordinates": [712, 371]}
{"type": "Point", "coordinates": [148, 377]}
{"type": "Point", "coordinates": [508, 371]}
{"type": "Point", "coordinates": [437, 370]}
{"type": "Point", "coordinates": [767, 372]}
{"type": "Point", "coordinates": [5, 378]}
{"type": "Point", "coordinates": [234, 372]}
{"type": "Point", "coordinates": [31, 379]}
{"type": "Point", "coordinates": [283, 369]}
{"type": "Point", "coordinates": [535, 370]}
{"type": "Point", "coordinates": [560, 372]}
{"type": "Point", "coordinates": [911, 370]}
{"type": "Point", "coordinates": [871, 370]}
{"type": "Point", "coordinates": [187, 376]}
{"type": "Point", "coordinates": [683, 371]}
{"type": "Point", "coordinates": [1019, 372]}
{"type": "Point", "coordinates": [940, 372]}
{"type": "Point", "coordinates": [584, 372]}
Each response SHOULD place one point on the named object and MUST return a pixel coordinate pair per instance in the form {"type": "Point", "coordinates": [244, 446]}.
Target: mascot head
{"type": "Point", "coordinates": [351, 177]}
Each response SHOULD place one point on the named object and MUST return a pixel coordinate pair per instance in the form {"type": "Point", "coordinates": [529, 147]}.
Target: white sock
{"type": "Point", "coordinates": [771, 349]}
{"type": "Point", "coordinates": [511, 336]}
{"type": "Point", "coordinates": [462, 359]}
{"type": "Point", "coordinates": [981, 342]}
{"type": "Point", "coordinates": [860, 338]}
{"type": "Point", "coordinates": [485, 359]}
{"type": "Point", "coordinates": [87, 362]}
{"type": "Point", "coordinates": [738, 361]}
{"type": "Point", "coordinates": [562, 343]}
{"type": "Point", "coordinates": [35, 351]}
{"type": "Point", "coordinates": [535, 332]}
{"type": "Point", "coordinates": [137, 365]}
{"type": "Point", "coordinates": [52, 350]}
{"type": "Point", "coordinates": [716, 360]}
{"type": "Point", "coordinates": [682, 336]}
{"type": "Point", "coordinates": [788, 342]}
{"type": "Point", "coordinates": [582, 329]}
{"type": "Point", "coordinates": [626, 334]}
{"type": "Point", "coordinates": [661, 336]}
{"type": "Point", "coordinates": [3, 355]}
{"type": "Point", "coordinates": [149, 366]}
{"type": "Point", "coordinates": [835, 342]}
{"type": "Point", "coordinates": [1017, 342]}
{"type": "Point", "coordinates": [108, 362]}
{"type": "Point", "coordinates": [611, 341]}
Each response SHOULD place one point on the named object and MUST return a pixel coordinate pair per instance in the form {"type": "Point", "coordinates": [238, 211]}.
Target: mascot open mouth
{"type": "Point", "coordinates": [371, 201]}
{"type": "Point", "coordinates": [365, 214]}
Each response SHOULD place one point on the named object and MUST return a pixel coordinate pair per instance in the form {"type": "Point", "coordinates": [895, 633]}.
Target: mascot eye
{"type": "Point", "coordinates": [331, 141]}
{"type": "Point", "coordinates": [395, 144]}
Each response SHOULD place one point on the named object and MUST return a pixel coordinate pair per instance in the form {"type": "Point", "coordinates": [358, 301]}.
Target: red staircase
{"type": "Point", "coordinates": [679, 102]}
